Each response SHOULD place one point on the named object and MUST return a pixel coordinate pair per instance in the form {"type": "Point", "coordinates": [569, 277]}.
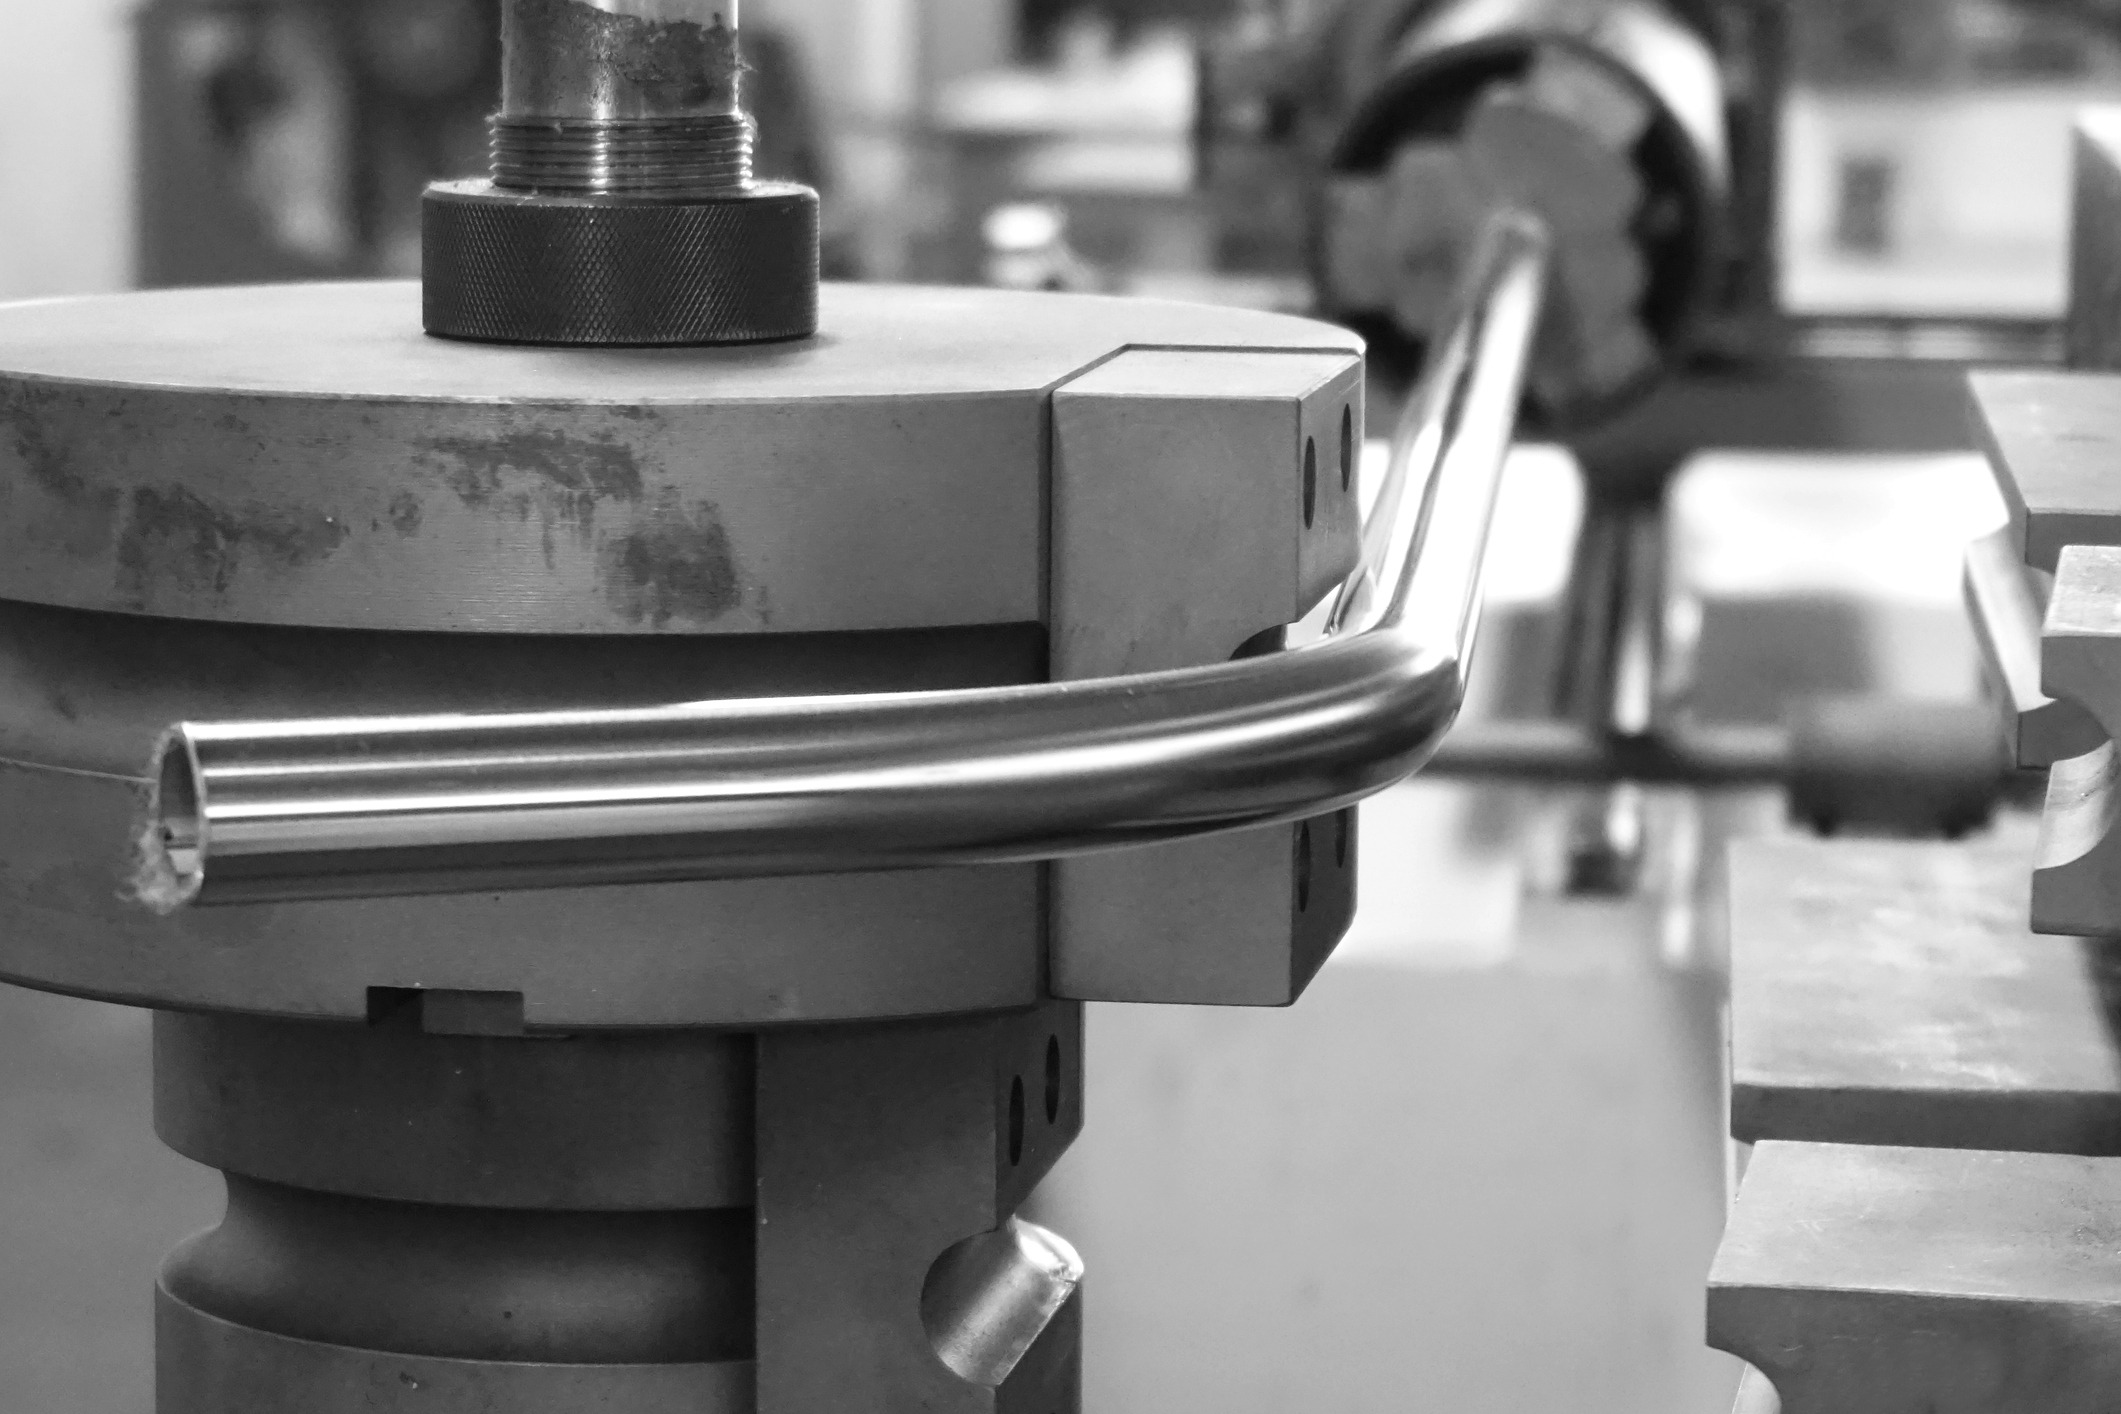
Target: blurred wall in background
{"type": "Point", "coordinates": [68, 174]}
{"type": "Point", "coordinates": [65, 146]}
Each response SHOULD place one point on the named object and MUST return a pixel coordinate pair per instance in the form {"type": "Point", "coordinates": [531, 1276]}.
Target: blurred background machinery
{"type": "Point", "coordinates": [1510, 1072]}
{"type": "Point", "coordinates": [1923, 1036]}
{"type": "Point", "coordinates": [291, 139]}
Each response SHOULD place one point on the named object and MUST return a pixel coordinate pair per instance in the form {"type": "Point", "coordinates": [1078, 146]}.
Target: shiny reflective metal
{"type": "Point", "coordinates": [2006, 601]}
{"type": "Point", "coordinates": [619, 59]}
{"type": "Point", "coordinates": [989, 1297]}
{"type": "Point", "coordinates": [1408, 73]}
{"type": "Point", "coordinates": [621, 97]}
{"type": "Point", "coordinates": [395, 805]}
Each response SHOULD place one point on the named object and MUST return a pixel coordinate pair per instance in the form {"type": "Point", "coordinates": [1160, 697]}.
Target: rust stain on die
{"type": "Point", "coordinates": [482, 470]}
{"type": "Point", "coordinates": [679, 567]}
{"type": "Point", "coordinates": [39, 425]}
{"type": "Point", "coordinates": [557, 478]}
{"type": "Point", "coordinates": [172, 538]}
{"type": "Point", "coordinates": [660, 560]}
{"type": "Point", "coordinates": [159, 537]}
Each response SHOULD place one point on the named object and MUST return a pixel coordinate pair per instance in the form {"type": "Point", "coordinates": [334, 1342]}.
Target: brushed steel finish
{"type": "Point", "coordinates": [1923, 1281]}
{"type": "Point", "coordinates": [621, 98]}
{"type": "Point", "coordinates": [207, 1365]}
{"type": "Point", "coordinates": [988, 1299]}
{"type": "Point", "coordinates": [880, 1150]}
{"type": "Point", "coordinates": [2005, 601]}
{"type": "Point", "coordinates": [304, 809]}
{"type": "Point", "coordinates": [2051, 437]}
{"type": "Point", "coordinates": [1173, 548]}
{"type": "Point", "coordinates": [2077, 871]}
{"type": "Point", "coordinates": [303, 455]}
{"type": "Point", "coordinates": [1890, 992]}
{"type": "Point", "coordinates": [571, 60]}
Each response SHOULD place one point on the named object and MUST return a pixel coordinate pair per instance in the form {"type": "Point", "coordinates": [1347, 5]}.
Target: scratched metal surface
{"type": "Point", "coordinates": [304, 455]}
{"type": "Point", "coordinates": [1874, 1280]}
{"type": "Point", "coordinates": [2052, 439]}
{"type": "Point", "coordinates": [1891, 993]}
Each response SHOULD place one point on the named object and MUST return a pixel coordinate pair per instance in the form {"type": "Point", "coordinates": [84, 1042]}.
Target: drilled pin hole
{"type": "Point", "coordinates": [1053, 1079]}
{"type": "Point", "coordinates": [1303, 866]}
{"type": "Point", "coordinates": [1016, 1120]}
{"type": "Point", "coordinates": [1310, 480]}
{"type": "Point", "coordinates": [1347, 446]}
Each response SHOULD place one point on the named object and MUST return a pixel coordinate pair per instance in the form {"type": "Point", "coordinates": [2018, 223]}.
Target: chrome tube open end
{"type": "Point", "coordinates": [172, 836]}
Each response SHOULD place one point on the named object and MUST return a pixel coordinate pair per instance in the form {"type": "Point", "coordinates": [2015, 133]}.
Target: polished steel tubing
{"type": "Point", "coordinates": [397, 805]}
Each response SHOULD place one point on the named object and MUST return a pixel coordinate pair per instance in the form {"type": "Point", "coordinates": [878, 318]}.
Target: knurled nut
{"type": "Point", "coordinates": [521, 268]}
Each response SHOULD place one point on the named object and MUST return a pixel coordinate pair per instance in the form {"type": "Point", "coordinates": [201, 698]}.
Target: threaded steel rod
{"type": "Point", "coordinates": [636, 98]}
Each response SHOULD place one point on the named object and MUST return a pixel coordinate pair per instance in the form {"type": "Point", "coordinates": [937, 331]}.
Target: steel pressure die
{"type": "Point", "coordinates": [663, 811]}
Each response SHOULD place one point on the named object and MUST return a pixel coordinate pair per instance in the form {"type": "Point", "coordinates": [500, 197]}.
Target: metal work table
{"type": "Point", "coordinates": [1865, 1277]}
{"type": "Point", "coordinates": [1934, 995]}
{"type": "Point", "coordinates": [1891, 993]}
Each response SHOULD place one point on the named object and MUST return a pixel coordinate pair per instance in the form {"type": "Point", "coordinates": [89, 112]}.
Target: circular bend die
{"type": "Point", "coordinates": [304, 455]}
{"type": "Point", "coordinates": [286, 501]}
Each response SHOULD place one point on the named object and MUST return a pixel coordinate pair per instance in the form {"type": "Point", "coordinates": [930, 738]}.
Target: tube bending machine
{"type": "Point", "coordinates": [663, 751]}
{"type": "Point", "coordinates": [617, 767]}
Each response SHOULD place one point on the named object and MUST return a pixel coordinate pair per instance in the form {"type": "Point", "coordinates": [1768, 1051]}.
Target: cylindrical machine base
{"type": "Point", "coordinates": [206, 1365]}
{"type": "Point", "coordinates": [649, 1122]}
{"type": "Point", "coordinates": [458, 1222]}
